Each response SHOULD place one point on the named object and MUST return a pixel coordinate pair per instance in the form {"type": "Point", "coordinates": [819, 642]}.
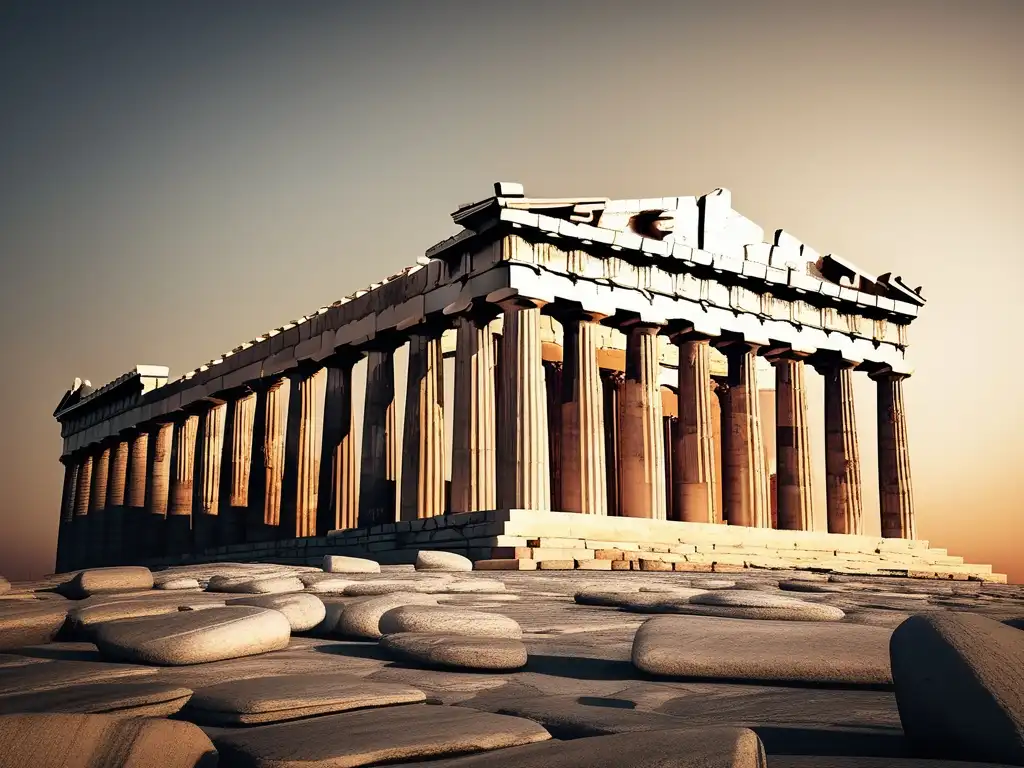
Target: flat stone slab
{"type": "Point", "coordinates": [303, 611]}
{"type": "Point", "coordinates": [473, 586]}
{"type": "Point", "coordinates": [375, 736]}
{"type": "Point", "coordinates": [47, 676]}
{"type": "Point", "coordinates": [431, 585]}
{"type": "Point", "coordinates": [265, 585]}
{"type": "Point", "coordinates": [53, 740]}
{"type": "Point", "coordinates": [361, 618]}
{"type": "Point", "coordinates": [751, 604]}
{"type": "Point", "coordinates": [455, 621]}
{"type": "Point", "coordinates": [95, 581]}
{"type": "Point", "coordinates": [81, 621]}
{"type": "Point", "coordinates": [737, 649]}
{"type": "Point", "coordinates": [324, 583]}
{"type": "Point", "coordinates": [134, 699]}
{"type": "Point", "coordinates": [804, 585]}
{"type": "Point", "coordinates": [193, 637]}
{"type": "Point", "coordinates": [343, 564]}
{"type": "Point", "coordinates": [959, 681]}
{"type": "Point", "coordinates": [181, 583]}
{"type": "Point", "coordinates": [275, 699]}
{"type": "Point", "coordinates": [684, 748]}
{"type": "Point", "coordinates": [434, 560]}
{"type": "Point", "coordinates": [26, 622]}
{"type": "Point", "coordinates": [457, 651]}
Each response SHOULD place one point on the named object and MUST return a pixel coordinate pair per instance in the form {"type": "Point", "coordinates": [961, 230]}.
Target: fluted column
{"type": "Point", "coordinates": [304, 441]}
{"type": "Point", "coordinates": [553, 393]}
{"type": "Point", "coordinates": [584, 482]}
{"type": "Point", "coordinates": [378, 473]}
{"type": "Point", "coordinates": [745, 477]}
{"type": "Point", "coordinates": [643, 434]}
{"type": "Point", "coordinates": [337, 504]}
{"type": "Point", "coordinates": [794, 500]}
{"type": "Point", "coordinates": [135, 518]}
{"type": "Point", "coordinates": [474, 468]}
{"type": "Point", "coordinates": [611, 391]}
{"type": "Point", "coordinates": [80, 525]}
{"type": "Point", "coordinates": [844, 504]}
{"type": "Point", "coordinates": [114, 533]}
{"type": "Point", "coordinates": [182, 485]}
{"type": "Point", "coordinates": [209, 452]}
{"type": "Point", "coordinates": [161, 442]}
{"type": "Point", "coordinates": [896, 493]}
{"type": "Point", "coordinates": [243, 418]}
{"type": "Point", "coordinates": [423, 446]}
{"type": "Point", "coordinates": [98, 507]}
{"type": "Point", "coordinates": [694, 452]}
{"type": "Point", "coordinates": [524, 469]}
{"type": "Point", "coordinates": [65, 535]}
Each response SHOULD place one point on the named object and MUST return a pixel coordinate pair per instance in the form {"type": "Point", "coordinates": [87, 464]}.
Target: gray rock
{"type": "Point", "coordinates": [684, 748]}
{"type": "Point", "coordinates": [289, 697]}
{"type": "Point", "coordinates": [303, 611]}
{"type": "Point", "coordinates": [127, 699]}
{"type": "Point", "coordinates": [193, 637]}
{"type": "Point", "coordinates": [959, 681]}
{"type": "Point", "coordinates": [47, 676]}
{"type": "Point", "coordinates": [30, 622]}
{"type": "Point", "coordinates": [736, 649]}
{"type": "Point", "coordinates": [434, 560]}
{"type": "Point", "coordinates": [324, 583]}
{"type": "Point", "coordinates": [749, 604]}
{"type": "Point", "coordinates": [802, 585]}
{"type": "Point", "coordinates": [456, 651]}
{"type": "Point", "coordinates": [387, 587]}
{"type": "Point", "coordinates": [342, 564]}
{"type": "Point", "coordinates": [455, 621]}
{"type": "Point", "coordinates": [267, 585]}
{"type": "Point", "coordinates": [95, 581]}
{"type": "Point", "coordinates": [81, 621]}
{"type": "Point", "coordinates": [375, 736]}
{"type": "Point", "coordinates": [361, 618]}
{"type": "Point", "coordinates": [474, 586]}
{"type": "Point", "coordinates": [58, 740]}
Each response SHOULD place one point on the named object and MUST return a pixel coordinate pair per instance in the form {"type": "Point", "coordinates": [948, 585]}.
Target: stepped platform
{"type": "Point", "coordinates": [517, 539]}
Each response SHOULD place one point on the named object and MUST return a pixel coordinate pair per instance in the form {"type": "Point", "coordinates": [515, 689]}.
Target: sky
{"type": "Point", "coordinates": [179, 177]}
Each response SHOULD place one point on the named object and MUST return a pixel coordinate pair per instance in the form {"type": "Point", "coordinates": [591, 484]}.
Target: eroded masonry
{"type": "Point", "coordinates": [611, 363]}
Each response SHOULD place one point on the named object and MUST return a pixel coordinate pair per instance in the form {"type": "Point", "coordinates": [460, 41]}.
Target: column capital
{"type": "Point", "coordinates": [824, 362]}
{"type": "Point", "coordinates": [509, 298]}
{"type": "Point", "coordinates": [782, 353]}
{"type": "Point", "coordinates": [572, 311]}
{"type": "Point", "coordinates": [735, 346]}
{"type": "Point", "coordinates": [479, 310]}
{"type": "Point", "coordinates": [887, 373]}
{"type": "Point", "coordinates": [680, 333]}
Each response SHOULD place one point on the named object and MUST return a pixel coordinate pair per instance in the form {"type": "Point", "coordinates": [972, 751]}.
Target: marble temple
{"type": "Point", "coordinates": [614, 407]}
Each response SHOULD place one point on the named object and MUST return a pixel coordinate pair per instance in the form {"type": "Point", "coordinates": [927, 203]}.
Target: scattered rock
{"type": "Point", "coordinates": [30, 623]}
{"type": "Point", "coordinates": [683, 748]}
{"type": "Point", "coordinates": [471, 586]}
{"type": "Point", "coordinates": [53, 740]}
{"type": "Point", "coordinates": [360, 619]}
{"type": "Point", "coordinates": [712, 584]}
{"type": "Point", "coordinates": [193, 637]}
{"type": "Point", "coordinates": [179, 583]}
{"type": "Point", "coordinates": [95, 581]}
{"type": "Point", "coordinates": [334, 606]}
{"type": "Point", "coordinates": [386, 587]}
{"type": "Point", "coordinates": [801, 585]}
{"type": "Point", "coordinates": [267, 585]}
{"type": "Point", "coordinates": [128, 699]}
{"type": "Point", "coordinates": [46, 676]}
{"type": "Point", "coordinates": [324, 583]}
{"type": "Point", "coordinates": [750, 604]}
{"type": "Point", "coordinates": [453, 621]}
{"type": "Point", "coordinates": [289, 697]}
{"type": "Point", "coordinates": [303, 610]}
{"type": "Point", "coordinates": [736, 649]}
{"type": "Point", "coordinates": [343, 564]}
{"type": "Point", "coordinates": [433, 560]}
{"type": "Point", "coordinates": [375, 736]}
{"type": "Point", "coordinates": [81, 621]}
{"type": "Point", "coordinates": [457, 651]}
{"type": "Point", "coordinates": [959, 681]}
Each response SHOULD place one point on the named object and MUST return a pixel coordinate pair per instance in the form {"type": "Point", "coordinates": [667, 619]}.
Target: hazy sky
{"type": "Point", "coordinates": [178, 177]}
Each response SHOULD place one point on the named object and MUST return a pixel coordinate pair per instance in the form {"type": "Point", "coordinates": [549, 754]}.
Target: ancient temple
{"type": "Point", "coordinates": [612, 365]}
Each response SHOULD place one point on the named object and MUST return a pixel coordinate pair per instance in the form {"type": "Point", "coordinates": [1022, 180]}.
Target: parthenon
{"type": "Point", "coordinates": [629, 376]}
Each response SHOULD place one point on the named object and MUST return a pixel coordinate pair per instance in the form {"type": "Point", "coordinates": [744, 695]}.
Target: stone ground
{"type": "Point", "coordinates": [815, 689]}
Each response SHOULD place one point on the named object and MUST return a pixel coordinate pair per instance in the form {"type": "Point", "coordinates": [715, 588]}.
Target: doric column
{"type": "Point", "coordinates": [474, 471]}
{"type": "Point", "coordinates": [611, 389]}
{"type": "Point", "coordinates": [98, 507]}
{"type": "Point", "coordinates": [423, 448]}
{"type": "Point", "coordinates": [135, 518]}
{"type": "Point", "coordinates": [842, 454]}
{"type": "Point", "coordinates": [378, 473]}
{"type": "Point", "coordinates": [553, 407]}
{"type": "Point", "coordinates": [301, 484]}
{"type": "Point", "coordinates": [524, 469]}
{"type": "Point", "coordinates": [243, 417]}
{"type": "Point", "coordinates": [794, 500]}
{"type": "Point", "coordinates": [694, 452]}
{"type": "Point", "coordinates": [584, 482]}
{"type": "Point", "coordinates": [182, 487]}
{"type": "Point", "coordinates": [209, 452]}
{"type": "Point", "coordinates": [161, 440]}
{"type": "Point", "coordinates": [114, 533]}
{"type": "Point", "coordinates": [65, 536]}
{"type": "Point", "coordinates": [642, 437]}
{"type": "Point", "coordinates": [80, 526]}
{"type": "Point", "coordinates": [337, 504]}
{"type": "Point", "coordinates": [896, 493]}
{"type": "Point", "coordinates": [744, 474]}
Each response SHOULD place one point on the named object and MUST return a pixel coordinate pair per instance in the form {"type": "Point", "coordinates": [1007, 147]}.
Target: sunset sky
{"type": "Point", "coordinates": [178, 177]}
